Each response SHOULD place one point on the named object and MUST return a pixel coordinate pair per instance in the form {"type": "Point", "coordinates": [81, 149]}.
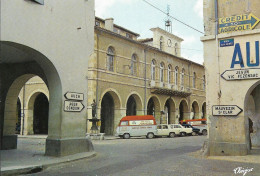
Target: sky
{"type": "Point", "coordinates": [139, 17]}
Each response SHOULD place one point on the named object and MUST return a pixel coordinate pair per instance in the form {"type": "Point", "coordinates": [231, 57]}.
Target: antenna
{"type": "Point", "coordinates": [168, 22]}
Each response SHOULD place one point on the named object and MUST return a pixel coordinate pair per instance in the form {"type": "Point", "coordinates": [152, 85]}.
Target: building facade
{"type": "Point", "coordinates": [128, 76]}
{"type": "Point", "coordinates": [231, 51]}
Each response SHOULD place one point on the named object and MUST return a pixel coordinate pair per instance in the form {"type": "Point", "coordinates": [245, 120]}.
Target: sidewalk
{"type": "Point", "coordinates": [29, 157]}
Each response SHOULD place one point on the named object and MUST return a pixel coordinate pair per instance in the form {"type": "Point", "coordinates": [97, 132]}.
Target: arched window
{"type": "Point", "coordinates": [204, 82]}
{"type": "Point", "coordinates": [169, 74]}
{"type": "Point", "coordinates": [176, 75]}
{"type": "Point", "coordinates": [161, 43]}
{"type": "Point", "coordinates": [176, 48]}
{"type": "Point", "coordinates": [182, 77]}
{"type": "Point", "coordinates": [153, 70]}
{"type": "Point", "coordinates": [194, 80]}
{"type": "Point", "coordinates": [161, 71]}
{"type": "Point", "coordinates": [134, 65]}
{"type": "Point", "coordinates": [110, 59]}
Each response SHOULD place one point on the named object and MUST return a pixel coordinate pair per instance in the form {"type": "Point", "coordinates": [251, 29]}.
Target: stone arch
{"type": "Point", "coordinates": [16, 70]}
{"type": "Point", "coordinates": [138, 101]}
{"type": "Point", "coordinates": [184, 113]}
{"type": "Point", "coordinates": [110, 111]}
{"type": "Point", "coordinates": [29, 111]}
{"type": "Point", "coordinates": [154, 107]}
{"type": "Point", "coordinates": [195, 110]}
{"type": "Point", "coordinates": [252, 115]}
{"type": "Point", "coordinates": [169, 109]}
{"type": "Point", "coordinates": [204, 111]}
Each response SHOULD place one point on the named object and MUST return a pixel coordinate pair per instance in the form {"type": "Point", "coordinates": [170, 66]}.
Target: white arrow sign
{"type": "Point", "coordinates": [241, 74]}
{"type": "Point", "coordinates": [73, 106]}
{"type": "Point", "coordinates": [74, 96]}
{"type": "Point", "coordinates": [226, 110]}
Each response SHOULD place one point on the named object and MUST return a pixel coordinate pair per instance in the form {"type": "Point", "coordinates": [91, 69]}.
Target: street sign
{"type": "Point", "coordinates": [226, 42]}
{"type": "Point", "coordinates": [226, 110]}
{"type": "Point", "coordinates": [74, 96]}
{"type": "Point", "coordinates": [73, 106]}
{"type": "Point", "coordinates": [241, 74]}
{"type": "Point", "coordinates": [237, 23]}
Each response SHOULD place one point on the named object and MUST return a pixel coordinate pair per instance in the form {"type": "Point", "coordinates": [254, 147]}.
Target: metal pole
{"type": "Point", "coordinates": [23, 108]}
{"type": "Point", "coordinates": [145, 82]}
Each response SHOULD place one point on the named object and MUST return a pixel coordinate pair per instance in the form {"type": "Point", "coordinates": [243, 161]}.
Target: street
{"type": "Point", "coordinates": [154, 157]}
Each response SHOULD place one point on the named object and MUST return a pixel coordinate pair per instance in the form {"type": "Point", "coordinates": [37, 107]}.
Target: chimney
{"type": "Point", "coordinates": [109, 24]}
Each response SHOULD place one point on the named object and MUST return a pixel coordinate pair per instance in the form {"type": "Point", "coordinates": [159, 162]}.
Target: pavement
{"type": "Point", "coordinates": [29, 156]}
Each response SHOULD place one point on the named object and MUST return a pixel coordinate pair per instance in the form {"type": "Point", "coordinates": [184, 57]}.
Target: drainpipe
{"type": "Point", "coordinates": [97, 102]}
{"type": "Point", "coordinates": [217, 47]}
{"type": "Point", "coordinates": [145, 82]}
{"type": "Point", "coordinates": [23, 108]}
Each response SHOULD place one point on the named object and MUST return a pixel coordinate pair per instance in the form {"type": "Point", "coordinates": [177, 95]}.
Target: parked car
{"type": "Point", "coordinates": [183, 131]}
{"type": "Point", "coordinates": [194, 129]}
{"type": "Point", "coordinates": [167, 130]}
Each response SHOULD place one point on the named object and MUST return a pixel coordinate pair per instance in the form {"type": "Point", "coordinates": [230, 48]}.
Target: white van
{"type": "Point", "coordinates": [131, 126]}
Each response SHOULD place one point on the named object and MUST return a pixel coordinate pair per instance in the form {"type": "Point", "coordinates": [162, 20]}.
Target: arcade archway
{"type": "Point", "coordinates": [169, 109]}
{"type": "Point", "coordinates": [195, 110]}
{"type": "Point", "coordinates": [252, 115]}
{"type": "Point", "coordinates": [134, 105]}
{"type": "Point", "coordinates": [203, 111]}
{"type": "Point", "coordinates": [183, 110]}
{"type": "Point", "coordinates": [153, 108]}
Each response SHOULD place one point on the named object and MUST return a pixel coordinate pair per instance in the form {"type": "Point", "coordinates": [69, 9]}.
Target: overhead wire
{"type": "Point", "coordinates": [173, 17]}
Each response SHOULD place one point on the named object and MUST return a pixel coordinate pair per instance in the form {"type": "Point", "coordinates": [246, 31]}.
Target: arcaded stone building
{"type": "Point", "coordinates": [128, 76]}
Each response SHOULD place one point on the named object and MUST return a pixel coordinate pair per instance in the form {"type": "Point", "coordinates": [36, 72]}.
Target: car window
{"type": "Point", "coordinates": [165, 127]}
{"type": "Point", "coordinates": [124, 123]}
{"type": "Point", "coordinates": [158, 127]}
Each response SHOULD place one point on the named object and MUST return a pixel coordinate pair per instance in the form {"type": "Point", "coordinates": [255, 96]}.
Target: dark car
{"type": "Point", "coordinates": [195, 130]}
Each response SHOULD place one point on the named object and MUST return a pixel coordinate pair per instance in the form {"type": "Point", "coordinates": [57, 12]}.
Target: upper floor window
{"type": "Point", "coordinates": [116, 30]}
{"type": "Point", "coordinates": [97, 23]}
{"type": "Point", "coordinates": [204, 82]}
{"type": "Point", "coordinates": [161, 43]}
{"type": "Point", "coordinates": [182, 77]}
{"type": "Point", "coordinates": [133, 64]}
{"type": "Point", "coordinates": [161, 71]}
{"type": "Point", "coordinates": [169, 74]}
{"type": "Point", "coordinates": [194, 80]}
{"type": "Point", "coordinates": [176, 75]}
{"type": "Point", "coordinates": [129, 35]}
{"type": "Point", "coordinates": [176, 48]}
{"type": "Point", "coordinates": [110, 59]}
{"type": "Point", "coordinates": [153, 70]}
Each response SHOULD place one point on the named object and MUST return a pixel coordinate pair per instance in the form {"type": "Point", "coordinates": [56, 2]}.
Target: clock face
{"type": "Point", "coordinates": [169, 42]}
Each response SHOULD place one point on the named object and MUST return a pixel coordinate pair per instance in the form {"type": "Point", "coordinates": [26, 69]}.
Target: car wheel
{"type": "Point", "coordinates": [193, 134]}
{"type": "Point", "coordinates": [183, 134]}
{"type": "Point", "coordinates": [204, 132]}
{"type": "Point", "coordinates": [150, 135]}
{"type": "Point", "coordinates": [172, 135]}
{"type": "Point", "coordinates": [126, 136]}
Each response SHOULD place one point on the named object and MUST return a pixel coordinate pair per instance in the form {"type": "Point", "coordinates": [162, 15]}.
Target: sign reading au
{"type": "Point", "coordinates": [226, 110]}
{"type": "Point", "coordinates": [237, 23]}
{"type": "Point", "coordinates": [241, 74]}
{"type": "Point", "coordinates": [73, 106]}
{"type": "Point", "coordinates": [74, 96]}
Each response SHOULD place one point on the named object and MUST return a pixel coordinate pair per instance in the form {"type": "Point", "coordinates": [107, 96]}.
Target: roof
{"type": "Point", "coordinates": [145, 40]}
{"type": "Point", "coordinates": [119, 27]}
{"type": "Point", "coordinates": [140, 117]}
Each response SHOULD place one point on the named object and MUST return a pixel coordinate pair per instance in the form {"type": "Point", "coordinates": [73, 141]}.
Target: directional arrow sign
{"type": "Point", "coordinates": [73, 106]}
{"type": "Point", "coordinates": [74, 96]}
{"type": "Point", "coordinates": [226, 110]}
{"type": "Point", "coordinates": [241, 74]}
{"type": "Point", "coordinates": [237, 23]}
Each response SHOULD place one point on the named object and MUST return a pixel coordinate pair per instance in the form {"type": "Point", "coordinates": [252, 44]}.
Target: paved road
{"type": "Point", "coordinates": [150, 157]}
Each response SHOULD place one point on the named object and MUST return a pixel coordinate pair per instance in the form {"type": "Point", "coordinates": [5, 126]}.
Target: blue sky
{"type": "Point", "coordinates": [139, 17]}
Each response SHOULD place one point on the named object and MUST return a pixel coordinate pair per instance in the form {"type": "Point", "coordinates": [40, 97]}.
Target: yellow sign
{"type": "Point", "coordinates": [237, 23]}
